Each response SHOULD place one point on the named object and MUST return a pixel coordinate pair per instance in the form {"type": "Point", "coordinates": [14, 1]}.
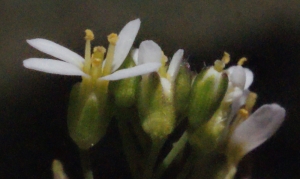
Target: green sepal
{"type": "Point", "coordinates": [149, 86]}
{"type": "Point", "coordinates": [182, 90]}
{"type": "Point", "coordinates": [156, 110]}
{"type": "Point", "coordinates": [208, 90]}
{"type": "Point", "coordinates": [87, 121]}
{"type": "Point", "coordinates": [124, 91]}
{"type": "Point", "coordinates": [203, 139]}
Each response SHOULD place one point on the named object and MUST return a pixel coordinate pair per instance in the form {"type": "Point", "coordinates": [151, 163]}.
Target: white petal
{"type": "Point", "coordinates": [135, 55]}
{"type": "Point", "coordinates": [237, 76]}
{"type": "Point", "coordinates": [149, 51]}
{"type": "Point", "coordinates": [125, 41]}
{"type": "Point", "coordinates": [131, 72]}
{"type": "Point", "coordinates": [175, 64]}
{"type": "Point", "coordinates": [53, 66]}
{"type": "Point", "coordinates": [166, 84]}
{"type": "Point", "coordinates": [56, 50]}
{"type": "Point", "coordinates": [260, 126]}
{"type": "Point", "coordinates": [249, 78]}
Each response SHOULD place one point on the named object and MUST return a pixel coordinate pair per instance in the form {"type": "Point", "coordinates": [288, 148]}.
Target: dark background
{"type": "Point", "coordinates": [33, 105]}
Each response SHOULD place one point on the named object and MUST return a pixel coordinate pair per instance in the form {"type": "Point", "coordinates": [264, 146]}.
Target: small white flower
{"type": "Point", "coordinates": [143, 55]}
{"type": "Point", "coordinates": [259, 127]}
{"type": "Point", "coordinates": [240, 79]}
{"type": "Point", "coordinates": [72, 63]}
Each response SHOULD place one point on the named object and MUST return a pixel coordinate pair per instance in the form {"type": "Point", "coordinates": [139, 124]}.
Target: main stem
{"type": "Point", "coordinates": [177, 148]}
{"type": "Point", "coordinates": [131, 153]}
{"type": "Point", "coordinates": [85, 164]}
{"type": "Point", "coordinates": [151, 160]}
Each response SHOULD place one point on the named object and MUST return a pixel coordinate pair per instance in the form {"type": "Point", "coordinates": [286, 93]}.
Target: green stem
{"type": "Point", "coordinates": [85, 164]}
{"type": "Point", "coordinates": [132, 154]}
{"type": "Point", "coordinates": [143, 139]}
{"type": "Point", "coordinates": [177, 148]}
{"type": "Point", "coordinates": [151, 160]}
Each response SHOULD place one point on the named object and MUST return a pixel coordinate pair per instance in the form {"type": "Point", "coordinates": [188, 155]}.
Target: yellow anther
{"type": "Point", "coordinates": [219, 65]}
{"type": "Point", "coordinates": [112, 38]}
{"type": "Point", "coordinates": [99, 49]}
{"type": "Point", "coordinates": [242, 61]}
{"type": "Point", "coordinates": [226, 58]}
{"type": "Point", "coordinates": [250, 101]}
{"type": "Point", "coordinates": [243, 113]}
{"type": "Point", "coordinates": [89, 35]}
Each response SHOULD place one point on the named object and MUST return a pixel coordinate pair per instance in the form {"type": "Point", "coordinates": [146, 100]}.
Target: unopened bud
{"type": "Point", "coordinates": [182, 90]}
{"type": "Point", "coordinates": [156, 110]}
{"type": "Point", "coordinates": [125, 90]}
{"type": "Point", "coordinates": [207, 92]}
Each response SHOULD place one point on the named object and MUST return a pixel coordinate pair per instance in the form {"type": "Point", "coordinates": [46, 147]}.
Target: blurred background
{"type": "Point", "coordinates": [33, 105]}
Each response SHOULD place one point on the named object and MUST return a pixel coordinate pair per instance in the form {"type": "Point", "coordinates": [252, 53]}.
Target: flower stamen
{"type": "Point", "coordinates": [89, 36]}
{"type": "Point", "coordinates": [250, 101]}
{"type": "Point", "coordinates": [243, 113]}
{"type": "Point", "coordinates": [226, 58]}
{"type": "Point", "coordinates": [242, 61]}
{"type": "Point", "coordinates": [219, 65]}
{"type": "Point", "coordinates": [97, 60]}
{"type": "Point", "coordinates": [112, 39]}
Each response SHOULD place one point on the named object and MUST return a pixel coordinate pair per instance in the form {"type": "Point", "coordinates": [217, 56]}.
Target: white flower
{"type": "Point", "coordinates": [240, 79]}
{"type": "Point", "coordinates": [259, 127]}
{"type": "Point", "coordinates": [150, 53]}
{"type": "Point", "coordinates": [73, 64]}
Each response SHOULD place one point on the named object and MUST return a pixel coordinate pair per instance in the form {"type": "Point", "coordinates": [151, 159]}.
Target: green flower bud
{"type": "Point", "coordinates": [156, 109]}
{"type": "Point", "coordinates": [182, 91]}
{"type": "Point", "coordinates": [87, 120]}
{"type": "Point", "coordinates": [208, 90]}
{"type": "Point", "coordinates": [124, 91]}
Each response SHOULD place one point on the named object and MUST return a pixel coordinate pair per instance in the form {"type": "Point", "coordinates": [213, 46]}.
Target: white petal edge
{"type": "Point", "coordinates": [166, 84]}
{"type": "Point", "coordinates": [175, 64]}
{"type": "Point", "coordinates": [125, 41]}
{"type": "Point", "coordinates": [135, 55]}
{"type": "Point", "coordinates": [56, 50]}
{"type": "Point", "coordinates": [249, 78]}
{"type": "Point", "coordinates": [149, 51]}
{"type": "Point", "coordinates": [260, 126]}
{"type": "Point", "coordinates": [53, 66]}
{"type": "Point", "coordinates": [132, 72]}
